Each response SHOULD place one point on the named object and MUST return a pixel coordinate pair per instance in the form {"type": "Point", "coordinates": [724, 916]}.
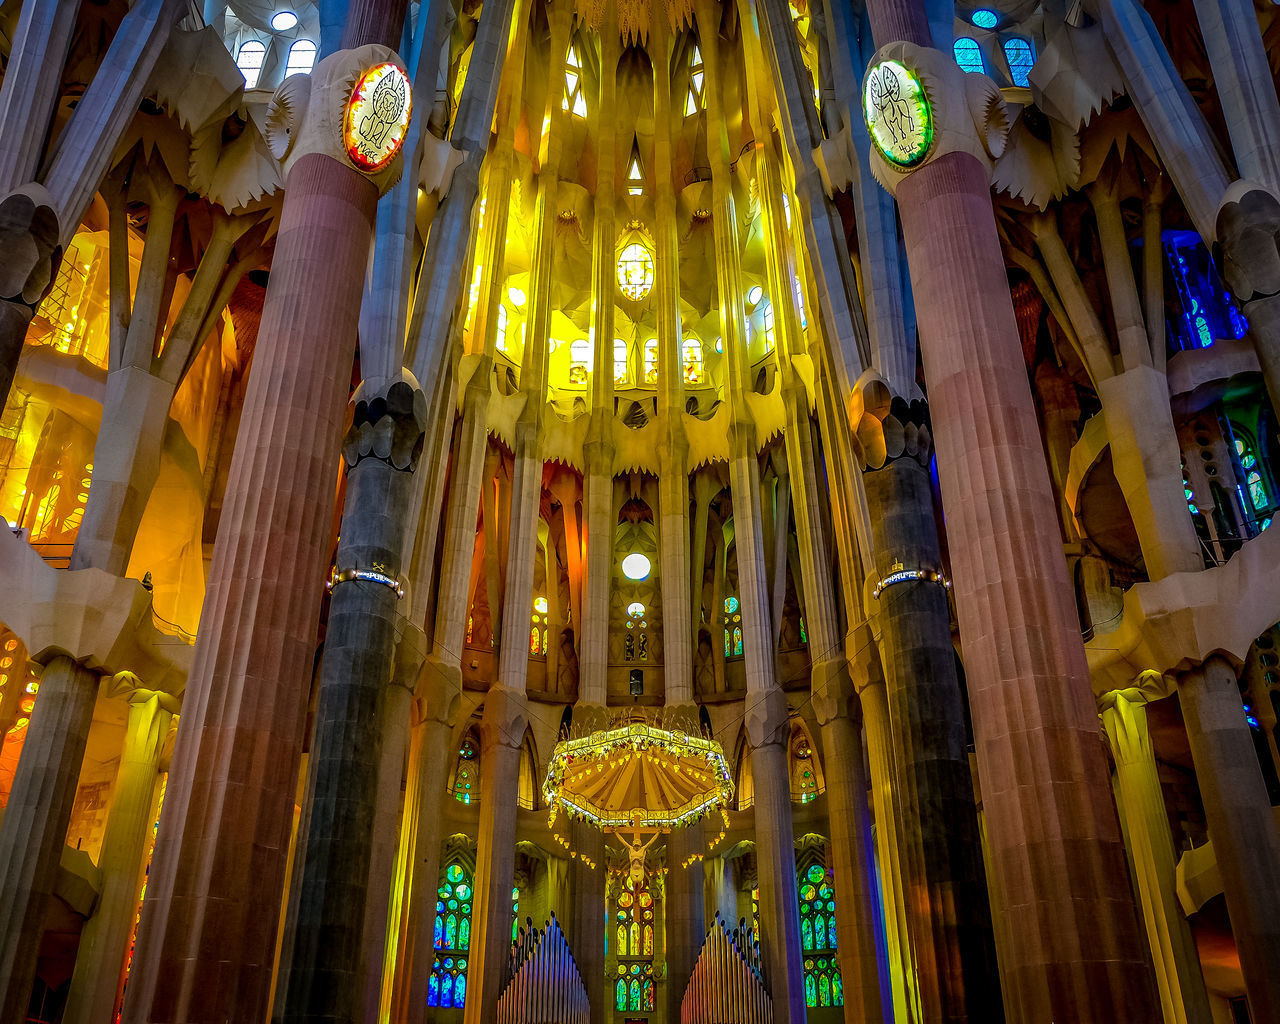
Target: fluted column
{"type": "Point", "coordinates": [105, 938]}
{"type": "Point", "coordinates": [1146, 828]}
{"type": "Point", "coordinates": [501, 732]}
{"type": "Point", "coordinates": [866, 995]}
{"type": "Point", "coordinates": [587, 924]}
{"type": "Point", "coordinates": [1242, 824]}
{"type": "Point", "coordinates": [34, 827]}
{"type": "Point", "coordinates": [220, 856]}
{"type": "Point", "coordinates": [1029, 689]}
{"type": "Point", "coordinates": [326, 976]}
{"type": "Point", "coordinates": [948, 915]}
{"type": "Point", "coordinates": [684, 912]}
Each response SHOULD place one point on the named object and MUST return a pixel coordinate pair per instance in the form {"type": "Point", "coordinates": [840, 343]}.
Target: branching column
{"type": "Point", "coordinates": [34, 828]}
{"type": "Point", "coordinates": [1242, 824]}
{"type": "Point", "coordinates": [104, 941]}
{"type": "Point", "coordinates": [1146, 825]}
{"type": "Point", "coordinates": [221, 853]}
{"type": "Point", "coordinates": [1029, 681]}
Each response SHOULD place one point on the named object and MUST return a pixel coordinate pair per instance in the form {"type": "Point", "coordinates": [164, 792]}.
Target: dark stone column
{"type": "Point", "coordinates": [948, 913]}
{"type": "Point", "coordinates": [586, 932]}
{"type": "Point", "coordinates": [685, 913]}
{"type": "Point", "coordinates": [35, 822]}
{"type": "Point", "coordinates": [326, 979]}
{"type": "Point", "coordinates": [30, 255]}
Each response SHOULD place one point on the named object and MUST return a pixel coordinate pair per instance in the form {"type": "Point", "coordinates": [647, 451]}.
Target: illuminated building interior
{"type": "Point", "coordinates": [616, 511]}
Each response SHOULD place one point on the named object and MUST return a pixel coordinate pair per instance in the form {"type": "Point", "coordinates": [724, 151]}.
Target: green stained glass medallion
{"type": "Point", "coordinates": [897, 113]}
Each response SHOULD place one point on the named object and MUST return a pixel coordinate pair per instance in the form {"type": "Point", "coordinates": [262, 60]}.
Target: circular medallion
{"type": "Point", "coordinates": [377, 117]}
{"type": "Point", "coordinates": [897, 113]}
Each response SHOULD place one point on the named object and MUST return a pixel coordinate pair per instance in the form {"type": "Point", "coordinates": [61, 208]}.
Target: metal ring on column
{"type": "Point", "coordinates": [368, 575]}
{"type": "Point", "coordinates": [899, 574]}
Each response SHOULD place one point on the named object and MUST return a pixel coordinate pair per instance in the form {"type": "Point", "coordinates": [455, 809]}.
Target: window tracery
{"type": "Point", "coordinates": [651, 361]}
{"type": "Point", "coordinates": [635, 270]}
{"type": "Point", "coordinates": [969, 56]}
{"type": "Point", "coordinates": [579, 362]}
{"type": "Point", "coordinates": [693, 103]}
{"type": "Point", "coordinates": [692, 360]}
{"type": "Point", "coordinates": [574, 99]}
{"type": "Point", "coordinates": [621, 368]}
{"type": "Point", "coordinates": [447, 986]}
{"type": "Point", "coordinates": [732, 628]}
{"type": "Point", "coordinates": [1021, 58]}
{"type": "Point", "coordinates": [466, 773]}
{"type": "Point", "coordinates": [539, 627]}
{"type": "Point", "coordinates": [634, 923]}
{"type": "Point", "coordinates": [249, 60]}
{"type": "Point", "coordinates": [823, 985]}
{"type": "Point", "coordinates": [635, 643]}
{"type": "Point", "coordinates": [302, 58]}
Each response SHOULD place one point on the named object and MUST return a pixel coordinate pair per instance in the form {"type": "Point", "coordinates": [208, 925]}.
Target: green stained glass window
{"type": "Point", "coordinates": [447, 986]}
{"type": "Point", "coordinates": [823, 985]}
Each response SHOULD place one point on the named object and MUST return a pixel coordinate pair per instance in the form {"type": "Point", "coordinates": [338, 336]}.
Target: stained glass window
{"type": "Point", "coordinates": [466, 774]}
{"type": "Point", "coordinates": [250, 60]}
{"type": "Point", "coordinates": [302, 57]}
{"type": "Point", "coordinates": [538, 628]}
{"type": "Point", "coordinates": [634, 924]}
{"type": "Point", "coordinates": [1021, 60]}
{"type": "Point", "coordinates": [732, 628]}
{"type": "Point", "coordinates": [804, 782]}
{"type": "Point", "coordinates": [635, 271]}
{"type": "Point", "coordinates": [823, 985]}
{"type": "Point", "coordinates": [574, 98]}
{"type": "Point", "coordinates": [621, 367]}
{"type": "Point", "coordinates": [635, 642]}
{"type": "Point", "coordinates": [770, 335]}
{"type": "Point", "coordinates": [651, 361]}
{"type": "Point", "coordinates": [500, 336]}
{"type": "Point", "coordinates": [1204, 310]}
{"type": "Point", "coordinates": [694, 101]}
{"type": "Point", "coordinates": [968, 55]}
{"type": "Point", "coordinates": [447, 986]}
{"type": "Point", "coordinates": [984, 18]}
{"type": "Point", "coordinates": [692, 361]}
{"type": "Point", "coordinates": [579, 362]}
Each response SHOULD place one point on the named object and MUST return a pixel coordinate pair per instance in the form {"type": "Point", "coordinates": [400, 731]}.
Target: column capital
{"type": "Point", "coordinates": [1147, 686]}
{"type": "Point", "coordinates": [388, 423]}
{"type": "Point", "coordinates": [1247, 226]}
{"type": "Point", "coordinates": [438, 687]}
{"type": "Point", "coordinates": [951, 112]}
{"type": "Point", "coordinates": [506, 713]}
{"type": "Point", "coordinates": [834, 691]}
{"type": "Point", "coordinates": [767, 719]}
{"type": "Point", "coordinates": [862, 653]}
{"type": "Point", "coordinates": [309, 114]}
{"type": "Point", "coordinates": [30, 241]}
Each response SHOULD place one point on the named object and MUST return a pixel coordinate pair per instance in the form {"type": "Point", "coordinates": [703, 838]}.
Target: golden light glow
{"type": "Point", "coordinates": [635, 271]}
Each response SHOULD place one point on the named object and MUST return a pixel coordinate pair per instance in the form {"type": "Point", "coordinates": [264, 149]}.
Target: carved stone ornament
{"type": "Point", "coordinates": [354, 101]}
{"type": "Point", "coordinates": [919, 105]}
{"type": "Point", "coordinates": [388, 422]}
{"type": "Point", "coordinates": [1248, 246]}
{"type": "Point", "coordinates": [885, 426]}
{"type": "Point", "coordinates": [30, 244]}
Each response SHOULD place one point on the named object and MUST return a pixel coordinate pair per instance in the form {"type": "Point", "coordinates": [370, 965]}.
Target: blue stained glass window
{"type": "Point", "coordinates": [447, 986]}
{"type": "Point", "coordinates": [1021, 60]}
{"type": "Point", "coordinates": [968, 55]}
{"type": "Point", "coordinates": [1201, 309]}
{"type": "Point", "coordinates": [984, 18]}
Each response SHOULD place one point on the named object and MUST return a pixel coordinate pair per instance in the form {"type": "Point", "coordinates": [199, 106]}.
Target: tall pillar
{"type": "Point", "coordinates": [207, 938]}
{"type": "Point", "coordinates": [1028, 679]}
{"type": "Point", "coordinates": [1146, 826]}
{"type": "Point", "coordinates": [501, 732]}
{"type": "Point", "coordinates": [105, 938]}
{"type": "Point", "coordinates": [685, 925]}
{"type": "Point", "coordinates": [586, 932]}
{"type": "Point", "coordinates": [866, 998]}
{"type": "Point", "coordinates": [34, 828]}
{"type": "Point", "coordinates": [948, 917]}
{"type": "Point", "coordinates": [326, 976]}
{"type": "Point", "coordinates": [1242, 824]}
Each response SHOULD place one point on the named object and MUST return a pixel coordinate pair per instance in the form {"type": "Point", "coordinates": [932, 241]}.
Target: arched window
{"type": "Point", "coordinates": [823, 985]}
{"type": "Point", "coordinates": [621, 369]}
{"type": "Point", "coordinates": [574, 99]}
{"type": "Point", "coordinates": [635, 271]}
{"type": "Point", "coordinates": [466, 772]}
{"type": "Point", "coordinates": [770, 334]}
{"type": "Point", "coordinates": [651, 361]}
{"type": "Point", "coordinates": [692, 361]}
{"type": "Point", "coordinates": [579, 362]}
{"type": "Point", "coordinates": [500, 334]}
{"type": "Point", "coordinates": [635, 644]}
{"type": "Point", "coordinates": [732, 628]}
{"type": "Point", "coordinates": [249, 60]}
{"type": "Point", "coordinates": [1021, 60]}
{"type": "Point", "coordinates": [804, 777]}
{"type": "Point", "coordinates": [538, 628]}
{"type": "Point", "coordinates": [447, 986]}
{"type": "Point", "coordinates": [968, 55]}
{"type": "Point", "coordinates": [634, 922]}
{"type": "Point", "coordinates": [694, 101]}
{"type": "Point", "coordinates": [302, 58]}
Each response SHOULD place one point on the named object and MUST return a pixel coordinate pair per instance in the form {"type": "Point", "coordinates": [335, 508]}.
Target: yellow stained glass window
{"type": "Point", "coordinates": [621, 370]}
{"type": "Point", "coordinates": [635, 271]}
{"type": "Point", "coordinates": [651, 361]}
{"type": "Point", "coordinates": [692, 361]}
{"type": "Point", "coordinates": [574, 99]}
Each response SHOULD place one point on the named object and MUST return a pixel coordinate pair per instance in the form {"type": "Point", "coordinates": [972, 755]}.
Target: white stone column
{"type": "Point", "coordinates": [105, 938]}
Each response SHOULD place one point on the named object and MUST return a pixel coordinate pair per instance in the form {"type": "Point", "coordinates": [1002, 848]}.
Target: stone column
{"type": "Point", "coordinates": [948, 916]}
{"type": "Point", "coordinates": [34, 828]}
{"type": "Point", "coordinates": [29, 238]}
{"type": "Point", "coordinates": [1028, 678]}
{"type": "Point", "coordinates": [685, 923]}
{"type": "Point", "coordinates": [105, 938]}
{"type": "Point", "coordinates": [1141, 804]}
{"type": "Point", "coordinates": [326, 979]}
{"type": "Point", "coordinates": [586, 931]}
{"type": "Point", "coordinates": [501, 732]}
{"type": "Point", "coordinates": [721, 897]}
{"type": "Point", "coordinates": [220, 856]}
{"type": "Point", "coordinates": [866, 996]}
{"type": "Point", "coordinates": [1242, 824]}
